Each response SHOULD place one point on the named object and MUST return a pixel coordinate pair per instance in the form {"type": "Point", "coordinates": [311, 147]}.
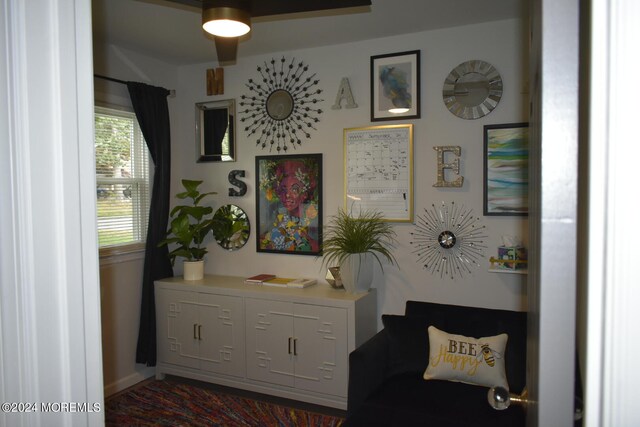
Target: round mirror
{"type": "Point", "coordinates": [279, 104]}
{"type": "Point", "coordinates": [231, 227]}
{"type": "Point", "coordinates": [472, 89]}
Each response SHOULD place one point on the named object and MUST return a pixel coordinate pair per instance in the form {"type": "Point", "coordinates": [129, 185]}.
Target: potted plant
{"type": "Point", "coordinates": [189, 226]}
{"type": "Point", "coordinates": [352, 243]}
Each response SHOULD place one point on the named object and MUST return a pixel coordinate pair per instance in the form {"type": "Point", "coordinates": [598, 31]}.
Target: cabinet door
{"type": "Point", "coordinates": [270, 341]}
{"type": "Point", "coordinates": [221, 334]}
{"type": "Point", "coordinates": [177, 328]}
{"type": "Point", "coordinates": [321, 349]}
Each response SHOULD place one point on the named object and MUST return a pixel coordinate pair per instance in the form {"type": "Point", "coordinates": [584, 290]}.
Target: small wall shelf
{"type": "Point", "coordinates": [499, 270]}
{"type": "Point", "coordinates": [494, 269]}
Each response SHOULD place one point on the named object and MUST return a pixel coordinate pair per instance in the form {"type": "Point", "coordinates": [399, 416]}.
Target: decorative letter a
{"type": "Point", "coordinates": [344, 92]}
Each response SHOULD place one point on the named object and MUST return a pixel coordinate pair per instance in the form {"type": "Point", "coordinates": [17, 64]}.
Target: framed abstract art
{"type": "Point", "coordinates": [506, 169]}
{"type": "Point", "coordinates": [395, 86]}
{"type": "Point", "coordinates": [289, 204]}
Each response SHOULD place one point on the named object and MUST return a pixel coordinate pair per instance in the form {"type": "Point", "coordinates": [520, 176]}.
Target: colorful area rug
{"type": "Point", "coordinates": [167, 403]}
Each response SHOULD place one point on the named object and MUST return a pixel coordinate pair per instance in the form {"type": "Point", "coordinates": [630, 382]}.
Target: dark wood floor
{"type": "Point", "coordinates": [245, 393]}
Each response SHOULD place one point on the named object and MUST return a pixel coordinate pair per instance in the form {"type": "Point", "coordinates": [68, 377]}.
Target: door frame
{"type": "Point", "coordinates": [609, 339]}
{"type": "Point", "coordinates": [50, 341]}
{"type": "Point", "coordinates": [583, 121]}
{"type": "Point", "coordinates": [553, 211]}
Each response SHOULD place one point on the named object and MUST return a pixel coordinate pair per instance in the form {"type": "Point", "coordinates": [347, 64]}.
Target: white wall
{"type": "Point", "coordinates": [501, 43]}
{"type": "Point", "coordinates": [120, 296]}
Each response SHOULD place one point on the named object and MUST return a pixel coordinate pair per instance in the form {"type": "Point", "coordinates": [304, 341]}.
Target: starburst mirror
{"type": "Point", "coordinates": [449, 240]}
{"type": "Point", "coordinates": [282, 107]}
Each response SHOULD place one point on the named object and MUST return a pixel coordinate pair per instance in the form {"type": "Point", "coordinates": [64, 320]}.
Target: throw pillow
{"type": "Point", "coordinates": [478, 361]}
{"type": "Point", "coordinates": [408, 343]}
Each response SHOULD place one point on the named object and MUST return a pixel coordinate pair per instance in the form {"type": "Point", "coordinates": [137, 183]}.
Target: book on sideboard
{"type": "Point", "coordinates": [259, 278]}
{"type": "Point", "coordinates": [282, 282]}
{"type": "Point", "coordinates": [278, 281]}
{"type": "Point", "coordinates": [302, 283]}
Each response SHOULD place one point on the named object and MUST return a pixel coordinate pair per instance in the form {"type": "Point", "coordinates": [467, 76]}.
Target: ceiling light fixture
{"type": "Point", "coordinates": [225, 21]}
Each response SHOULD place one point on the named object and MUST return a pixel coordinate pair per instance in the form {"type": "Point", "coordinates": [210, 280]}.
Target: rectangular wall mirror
{"type": "Point", "coordinates": [215, 135]}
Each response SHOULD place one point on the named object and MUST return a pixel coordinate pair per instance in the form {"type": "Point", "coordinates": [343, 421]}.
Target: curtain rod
{"type": "Point", "coordinates": [172, 92]}
{"type": "Point", "coordinates": [111, 79]}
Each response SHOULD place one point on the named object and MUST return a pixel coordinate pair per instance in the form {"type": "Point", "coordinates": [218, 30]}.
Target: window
{"type": "Point", "coordinates": [122, 178]}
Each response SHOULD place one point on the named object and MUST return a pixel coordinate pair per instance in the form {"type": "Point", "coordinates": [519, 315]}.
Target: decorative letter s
{"type": "Point", "coordinates": [234, 181]}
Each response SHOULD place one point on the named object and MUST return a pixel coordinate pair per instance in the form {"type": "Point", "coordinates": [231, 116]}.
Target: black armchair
{"type": "Point", "coordinates": [386, 387]}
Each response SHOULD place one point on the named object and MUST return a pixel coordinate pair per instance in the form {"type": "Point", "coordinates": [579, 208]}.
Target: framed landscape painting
{"type": "Point", "coordinates": [506, 169]}
{"type": "Point", "coordinates": [289, 204]}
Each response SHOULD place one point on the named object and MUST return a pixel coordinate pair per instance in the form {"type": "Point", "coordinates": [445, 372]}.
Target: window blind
{"type": "Point", "coordinates": [122, 178]}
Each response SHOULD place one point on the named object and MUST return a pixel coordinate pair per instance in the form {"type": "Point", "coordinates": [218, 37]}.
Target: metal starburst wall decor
{"type": "Point", "coordinates": [449, 240]}
{"type": "Point", "coordinates": [282, 107]}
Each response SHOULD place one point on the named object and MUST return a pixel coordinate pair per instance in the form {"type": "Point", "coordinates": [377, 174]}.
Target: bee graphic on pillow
{"type": "Point", "coordinates": [489, 355]}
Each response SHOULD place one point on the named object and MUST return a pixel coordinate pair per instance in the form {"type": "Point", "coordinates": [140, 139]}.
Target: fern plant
{"type": "Point", "coordinates": [190, 224]}
{"type": "Point", "coordinates": [347, 235]}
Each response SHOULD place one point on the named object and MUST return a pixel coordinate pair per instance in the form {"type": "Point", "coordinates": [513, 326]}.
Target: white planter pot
{"type": "Point", "coordinates": [357, 273]}
{"type": "Point", "coordinates": [193, 270]}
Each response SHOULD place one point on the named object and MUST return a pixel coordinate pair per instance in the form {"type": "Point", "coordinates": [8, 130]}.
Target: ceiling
{"type": "Point", "coordinates": [172, 33]}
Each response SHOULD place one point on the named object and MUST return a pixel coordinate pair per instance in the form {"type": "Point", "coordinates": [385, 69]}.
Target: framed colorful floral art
{"type": "Point", "coordinates": [289, 204]}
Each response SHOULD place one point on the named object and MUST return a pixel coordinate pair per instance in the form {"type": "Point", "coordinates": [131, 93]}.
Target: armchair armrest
{"type": "Point", "coordinates": [368, 367]}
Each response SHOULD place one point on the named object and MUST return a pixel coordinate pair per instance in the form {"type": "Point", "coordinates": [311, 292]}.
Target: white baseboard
{"type": "Point", "coordinates": [130, 380]}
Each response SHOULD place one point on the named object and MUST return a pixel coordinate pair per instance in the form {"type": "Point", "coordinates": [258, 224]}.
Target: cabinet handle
{"type": "Point", "coordinates": [200, 332]}
{"type": "Point", "coordinates": [194, 331]}
{"type": "Point", "coordinates": [290, 338]}
{"type": "Point", "coordinates": [295, 349]}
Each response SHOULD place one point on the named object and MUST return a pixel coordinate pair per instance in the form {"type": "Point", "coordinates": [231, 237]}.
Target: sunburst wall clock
{"type": "Point", "coordinates": [283, 106]}
{"type": "Point", "coordinates": [472, 90]}
{"type": "Point", "coordinates": [449, 240]}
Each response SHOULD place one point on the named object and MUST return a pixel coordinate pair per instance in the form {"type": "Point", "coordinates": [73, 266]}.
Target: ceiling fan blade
{"type": "Point", "coordinates": [193, 3]}
{"type": "Point", "coordinates": [277, 7]}
{"type": "Point", "coordinates": [226, 48]}
{"type": "Point", "coordinates": [280, 7]}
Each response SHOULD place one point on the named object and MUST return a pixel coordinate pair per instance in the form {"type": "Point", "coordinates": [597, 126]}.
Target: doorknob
{"type": "Point", "coordinates": [499, 398]}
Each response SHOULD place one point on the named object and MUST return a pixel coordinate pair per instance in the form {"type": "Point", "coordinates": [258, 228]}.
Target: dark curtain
{"type": "Point", "coordinates": [152, 112]}
{"type": "Point", "coordinates": [215, 126]}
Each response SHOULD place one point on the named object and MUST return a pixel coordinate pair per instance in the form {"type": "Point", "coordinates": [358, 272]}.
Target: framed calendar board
{"type": "Point", "coordinates": [378, 171]}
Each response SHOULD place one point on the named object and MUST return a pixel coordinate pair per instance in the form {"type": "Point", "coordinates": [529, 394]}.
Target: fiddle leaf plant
{"type": "Point", "coordinates": [190, 224]}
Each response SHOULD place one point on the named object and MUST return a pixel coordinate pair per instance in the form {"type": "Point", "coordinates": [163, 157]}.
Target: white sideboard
{"type": "Point", "coordinates": [292, 343]}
